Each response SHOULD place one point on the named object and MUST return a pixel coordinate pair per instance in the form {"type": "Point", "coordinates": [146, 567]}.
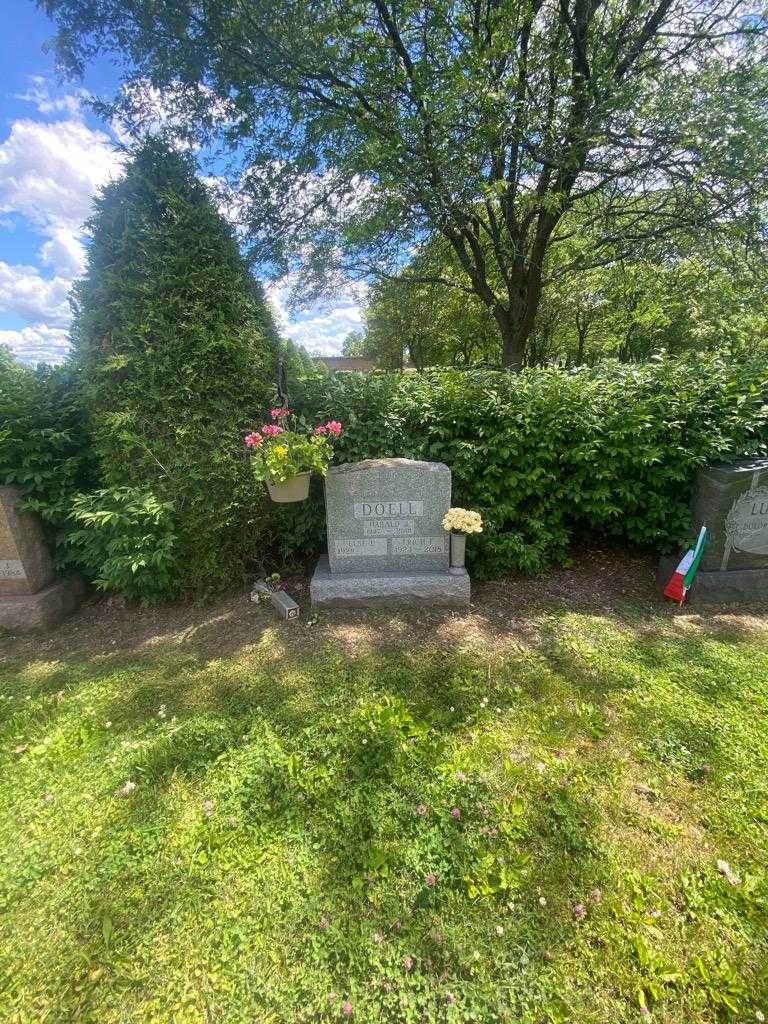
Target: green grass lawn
{"type": "Point", "coordinates": [303, 828]}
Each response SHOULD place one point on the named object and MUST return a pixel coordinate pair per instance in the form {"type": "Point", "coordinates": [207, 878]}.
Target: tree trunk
{"type": "Point", "coordinates": [582, 335]}
{"type": "Point", "coordinates": [516, 321]}
{"type": "Point", "coordinates": [512, 346]}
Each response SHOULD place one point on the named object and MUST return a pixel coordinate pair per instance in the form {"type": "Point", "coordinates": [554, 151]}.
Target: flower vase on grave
{"type": "Point", "coordinates": [458, 551]}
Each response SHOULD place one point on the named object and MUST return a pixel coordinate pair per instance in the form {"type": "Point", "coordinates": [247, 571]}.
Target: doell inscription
{"type": "Point", "coordinates": [378, 507]}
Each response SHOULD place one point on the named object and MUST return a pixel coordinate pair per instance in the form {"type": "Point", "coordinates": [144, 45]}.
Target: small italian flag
{"type": "Point", "coordinates": [684, 574]}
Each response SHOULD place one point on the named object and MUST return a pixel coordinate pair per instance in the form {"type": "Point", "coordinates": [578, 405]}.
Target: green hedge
{"type": "Point", "coordinates": [546, 455]}
{"type": "Point", "coordinates": [43, 449]}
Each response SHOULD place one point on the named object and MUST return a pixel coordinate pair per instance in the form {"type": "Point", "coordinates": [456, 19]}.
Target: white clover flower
{"type": "Point", "coordinates": [462, 520]}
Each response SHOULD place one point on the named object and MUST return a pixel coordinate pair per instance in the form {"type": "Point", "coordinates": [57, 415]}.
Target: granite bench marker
{"type": "Point", "coordinates": [386, 543]}
{"type": "Point", "coordinates": [31, 598]}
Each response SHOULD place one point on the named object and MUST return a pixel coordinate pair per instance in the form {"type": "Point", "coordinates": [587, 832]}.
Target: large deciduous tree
{"type": "Point", "coordinates": [366, 125]}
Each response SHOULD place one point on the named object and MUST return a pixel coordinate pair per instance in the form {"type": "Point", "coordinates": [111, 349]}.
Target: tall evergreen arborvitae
{"type": "Point", "coordinates": [175, 348]}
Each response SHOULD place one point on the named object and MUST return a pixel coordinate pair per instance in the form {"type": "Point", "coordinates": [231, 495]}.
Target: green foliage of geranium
{"type": "Point", "coordinates": [175, 347]}
{"type": "Point", "coordinates": [279, 454]}
{"type": "Point", "coordinates": [549, 455]}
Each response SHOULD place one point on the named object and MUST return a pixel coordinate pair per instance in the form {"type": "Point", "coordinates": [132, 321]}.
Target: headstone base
{"type": "Point", "coordinates": [743, 586]}
{"type": "Point", "coordinates": [34, 613]}
{"type": "Point", "coordinates": [438, 588]}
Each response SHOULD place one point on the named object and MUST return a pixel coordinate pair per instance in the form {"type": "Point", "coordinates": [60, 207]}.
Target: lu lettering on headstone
{"type": "Point", "coordinates": [732, 501]}
{"type": "Point", "coordinates": [386, 543]}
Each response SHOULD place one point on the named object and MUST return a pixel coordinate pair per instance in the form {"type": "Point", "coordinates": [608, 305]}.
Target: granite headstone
{"type": "Point", "coordinates": [31, 598]}
{"type": "Point", "coordinates": [731, 500]}
{"type": "Point", "coordinates": [386, 543]}
{"type": "Point", "coordinates": [386, 515]}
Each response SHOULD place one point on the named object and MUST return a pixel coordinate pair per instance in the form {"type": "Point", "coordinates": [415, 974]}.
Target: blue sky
{"type": "Point", "coordinates": [54, 155]}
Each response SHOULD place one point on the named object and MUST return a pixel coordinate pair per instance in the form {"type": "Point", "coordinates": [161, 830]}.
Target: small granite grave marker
{"type": "Point", "coordinates": [386, 543]}
{"type": "Point", "coordinates": [732, 502]}
{"type": "Point", "coordinates": [31, 598]}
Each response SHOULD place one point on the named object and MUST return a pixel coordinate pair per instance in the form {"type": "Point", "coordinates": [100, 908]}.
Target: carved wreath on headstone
{"type": "Point", "coordinates": [746, 525]}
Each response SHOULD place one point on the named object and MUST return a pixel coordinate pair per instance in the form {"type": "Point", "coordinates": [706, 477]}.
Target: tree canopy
{"type": "Point", "coordinates": [364, 126]}
{"type": "Point", "coordinates": [671, 296]}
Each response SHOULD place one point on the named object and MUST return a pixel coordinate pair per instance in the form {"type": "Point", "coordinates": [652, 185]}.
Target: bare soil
{"type": "Point", "coordinates": [599, 580]}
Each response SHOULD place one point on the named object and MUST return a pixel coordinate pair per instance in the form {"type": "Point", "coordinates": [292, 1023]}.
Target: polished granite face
{"type": "Point", "coordinates": [385, 515]}
{"type": "Point", "coordinates": [732, 502]}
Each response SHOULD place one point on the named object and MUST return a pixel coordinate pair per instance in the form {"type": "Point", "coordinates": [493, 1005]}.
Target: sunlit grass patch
{"type": "Point", "coordinates": [427, 834]}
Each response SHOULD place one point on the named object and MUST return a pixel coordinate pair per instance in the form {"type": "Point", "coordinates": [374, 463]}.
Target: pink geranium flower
{"type": "Point", "coordinates": [322, 429]}
{"type": "Point", "coordinates": [333, 427]}
{"type": "Point", "coordinates": [272, 430]}
{"type": "Point", "coordinates": [277, 414]}
{"type": "Point", "coordinates": [253, 440]}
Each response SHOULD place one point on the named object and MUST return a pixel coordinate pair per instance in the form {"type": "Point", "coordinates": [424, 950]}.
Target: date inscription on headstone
{"type": "Point", "coordinates": [12, 569]}
{"type": "Point", "coordinates": [420, 545]}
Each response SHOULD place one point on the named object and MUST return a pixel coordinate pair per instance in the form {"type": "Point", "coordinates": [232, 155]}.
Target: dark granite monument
{"type": "Point", "coordinates": [386, 543]}
{"type": "Point", "coordinates": [31, 598]}
{"type": "Point", "coordinates": [732, 502]}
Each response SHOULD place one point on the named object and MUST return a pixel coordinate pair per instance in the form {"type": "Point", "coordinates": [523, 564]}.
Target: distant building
{"type": "Point", "coordinates": [346, 363]}
{"type": "Point", "coordinates": [352, 363]}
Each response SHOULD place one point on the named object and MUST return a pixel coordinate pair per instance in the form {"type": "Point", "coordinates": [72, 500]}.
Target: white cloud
{"type": "Point", "coordinates": [38, 344]}
{"type": "Point", "coordinates": [25, 293]}
{"type": "Point", "coordinates": [39, 94]}
{"type": "Point", "coordinates": [146, 110]}
{"type": "Point", "coordinates": [49, 174]}
{"type": "Point", "coordinates": [323, 334]}
{"type": "Point", "coordinates": [64, 252]}
{"type": "Point", "coordinates": [319, 329]}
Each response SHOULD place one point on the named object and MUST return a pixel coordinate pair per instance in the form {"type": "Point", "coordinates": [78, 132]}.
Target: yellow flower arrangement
{"type": "Point", "coordinates": [280, 451]}
{"type": "Point", "coordinates": [462, 520]}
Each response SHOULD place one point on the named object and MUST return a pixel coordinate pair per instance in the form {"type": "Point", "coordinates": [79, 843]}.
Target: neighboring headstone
{"type": "Point", "coordinates": [732, 502]}
{"type": "Point", "coordinates": [31, 598]}
{"type": "Point", "coordinates": [386, 544]}
{"type": "Point", "coordinates": [25, 564]}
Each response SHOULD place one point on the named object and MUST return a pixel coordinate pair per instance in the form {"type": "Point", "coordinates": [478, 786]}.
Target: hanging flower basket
{"type": "Point", "coordinates": [296, 489]}
{"type": "Point", "coordinates": [283, 457]}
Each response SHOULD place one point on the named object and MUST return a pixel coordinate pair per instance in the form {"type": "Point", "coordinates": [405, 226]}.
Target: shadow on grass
{"type": "Point", "coordinates": [266, 716]}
